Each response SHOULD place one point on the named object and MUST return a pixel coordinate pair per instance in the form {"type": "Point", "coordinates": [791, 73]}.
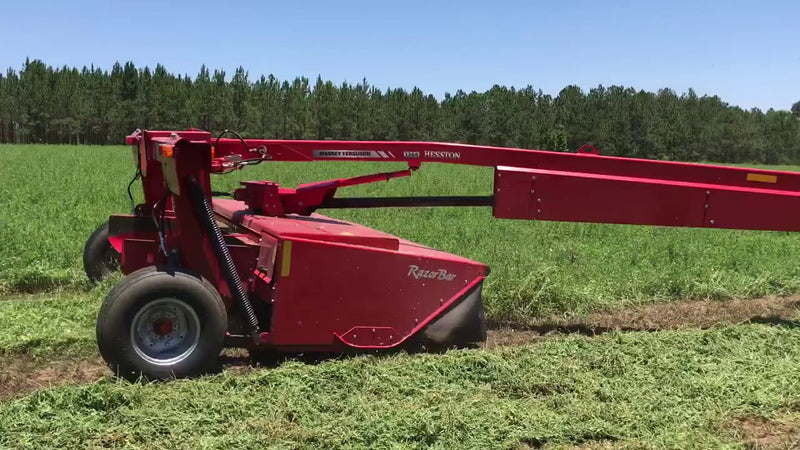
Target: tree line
{"type": "Point", "coordinates": [44, 104]}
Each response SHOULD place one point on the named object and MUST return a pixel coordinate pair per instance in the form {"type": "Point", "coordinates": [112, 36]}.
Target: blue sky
{"type": "Point", "coordinates": [748, 53]}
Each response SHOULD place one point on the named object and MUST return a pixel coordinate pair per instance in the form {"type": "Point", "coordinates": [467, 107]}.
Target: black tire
{"type": "Point", "coordinates": [100, 259]}
{"type": "Point", "coordinates": [129, 325]}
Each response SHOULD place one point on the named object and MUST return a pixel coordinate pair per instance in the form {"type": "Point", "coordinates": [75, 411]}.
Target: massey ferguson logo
{"type": "Point", "coordinates": [442, 155]}
{"type": "Point", "coordinates": [347, 154]}
{"type": "Point", "coordinates": [441, 274]}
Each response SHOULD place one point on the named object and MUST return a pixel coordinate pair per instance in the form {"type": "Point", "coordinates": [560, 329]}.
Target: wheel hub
{"type": "Point", "coordinates": [165, 331]}
{"type": "Point", "coordinates": [163, 327]}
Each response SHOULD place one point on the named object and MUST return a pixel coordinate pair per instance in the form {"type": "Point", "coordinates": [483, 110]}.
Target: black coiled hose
{"type": "Point", "coordinates": [203, 208]}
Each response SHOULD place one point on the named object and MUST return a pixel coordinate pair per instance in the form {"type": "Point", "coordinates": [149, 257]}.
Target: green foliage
{"type": "Point", "coordinates": [662, 390]}
{"type": "Point", "coordinates": [52, 197]}
{"type": "Point", "coordinates": [94, 106]}
{"type": "Point", "coordinates": [558, 139]}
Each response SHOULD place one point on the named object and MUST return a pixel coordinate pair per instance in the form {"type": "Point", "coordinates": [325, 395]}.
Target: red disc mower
{"type": "Point", "coordinates": [264, 271]}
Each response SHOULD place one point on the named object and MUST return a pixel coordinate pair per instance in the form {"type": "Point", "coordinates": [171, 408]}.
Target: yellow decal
{"type": "Point", "coordinates": [762, 178]}
{"type": "Point", "coordinates": [286, 264]}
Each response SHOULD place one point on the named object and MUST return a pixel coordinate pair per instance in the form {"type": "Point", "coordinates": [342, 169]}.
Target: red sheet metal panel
{"type": "Point", "coordinates": [582, 197]}
{"type": "Point", "coordinates": [754, 210]}
{"type": "Point", "coordinates": [324, 291]}
{"type": "Point", "coordinates": [137, 253]}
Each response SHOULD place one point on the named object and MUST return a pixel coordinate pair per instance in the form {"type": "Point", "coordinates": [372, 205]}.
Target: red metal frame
{"type": "Point", "coordinates": [329, 284]}
{"type": "Point", "coordinates": [583, 186]}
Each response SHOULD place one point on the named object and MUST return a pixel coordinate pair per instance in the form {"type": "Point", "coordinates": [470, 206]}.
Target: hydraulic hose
{"type": "Point", "coordinates": [203, 208]}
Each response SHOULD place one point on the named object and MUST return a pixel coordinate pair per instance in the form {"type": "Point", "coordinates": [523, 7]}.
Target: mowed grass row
{"type": "Point", "coordinates": [43, 325]}
{"type": "Point", "coordinates": [672, 389]}
{"type": "Point", "coordinates": [52, 197]}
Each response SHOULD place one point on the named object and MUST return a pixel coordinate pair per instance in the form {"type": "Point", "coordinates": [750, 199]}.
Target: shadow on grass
{"type": "Point", "coordinates": [544, 329]}
{"type": "Point", "coordinates": [241, 360]}
{"type": "Point", "coordinates": [244, 361]}
{"type": "Point", "coordinates": [590, 329]}
{"type": "Point", "coordinates": [776, 321]}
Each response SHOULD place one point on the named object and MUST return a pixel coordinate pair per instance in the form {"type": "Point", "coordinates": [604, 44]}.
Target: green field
{"type": "Point", "coordinates": [676, 389]}
{"type": "Point", "coordinates": [668, 389]}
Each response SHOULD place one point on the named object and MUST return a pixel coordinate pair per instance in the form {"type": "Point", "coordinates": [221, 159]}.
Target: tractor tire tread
{"type": "Point", "coordinates": [95, 251]}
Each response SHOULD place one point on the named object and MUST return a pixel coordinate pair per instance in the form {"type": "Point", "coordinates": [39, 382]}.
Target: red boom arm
{"type": "Point", "coordinates": [528, 184]}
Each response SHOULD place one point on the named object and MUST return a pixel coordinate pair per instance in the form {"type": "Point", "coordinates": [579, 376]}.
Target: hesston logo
{"type": "Point", "coordinates": [440, 274]}
{"type": "Point", "coordinates": [442, 155]}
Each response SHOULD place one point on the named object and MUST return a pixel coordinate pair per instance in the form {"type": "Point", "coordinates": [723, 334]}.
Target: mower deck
{"type": "Point", "coordinates": [329, 284]}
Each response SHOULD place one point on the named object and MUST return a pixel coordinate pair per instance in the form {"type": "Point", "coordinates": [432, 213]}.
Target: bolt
{"type": "Point", "coordinates": [712, 222]}
{"type": "Point", "coordinates": [538, 200]}
{"type": "Point", "coordinates": [533, 178]}
{"type": "Point", "coordinates": [533, 191]}
{"type": "Point", "coordinates": [354, 336]}
{"type": "Point", "coordinates": [708, 192]}
{"type": "Point", "coordinates": [538, 211]}
{"type": "Point", "coordinates": [706, 205]}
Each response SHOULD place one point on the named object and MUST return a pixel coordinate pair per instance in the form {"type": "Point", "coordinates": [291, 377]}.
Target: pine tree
{"type": "Point", "coordinates": [93, 106]}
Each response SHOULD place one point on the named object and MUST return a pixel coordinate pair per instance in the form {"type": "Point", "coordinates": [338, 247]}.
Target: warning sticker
{"type": "Point", "coordinates": [762, 178]}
